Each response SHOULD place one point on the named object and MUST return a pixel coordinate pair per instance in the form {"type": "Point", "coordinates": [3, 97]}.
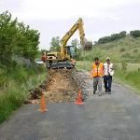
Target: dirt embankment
{"type": "Point", "coordinates": [60, 86]}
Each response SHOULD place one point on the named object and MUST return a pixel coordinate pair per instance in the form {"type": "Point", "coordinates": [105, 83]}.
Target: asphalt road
{"type": "Point", "coordinates": [109, 117]}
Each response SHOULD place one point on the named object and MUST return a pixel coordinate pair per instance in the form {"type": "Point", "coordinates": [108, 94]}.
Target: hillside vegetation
{"type": "Point", "coordinates": [126, 49]}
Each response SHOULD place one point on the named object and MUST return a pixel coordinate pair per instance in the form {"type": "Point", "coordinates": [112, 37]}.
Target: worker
{"type": "Point", "coordinates": [97, 73]}
{"type": "Point", "coordinates": [44, 57]}
{"type": "Point", "coordinates": [108, 73]}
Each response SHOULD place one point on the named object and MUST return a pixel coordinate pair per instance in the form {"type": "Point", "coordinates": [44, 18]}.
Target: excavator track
{"type": "Point", "coordinates": [61, 65]}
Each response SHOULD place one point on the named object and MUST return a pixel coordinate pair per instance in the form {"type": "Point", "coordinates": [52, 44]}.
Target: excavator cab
{"type": "Point", "coordinates": [71, 52]}
{"type": "Point", "coordinates": [55, 62]}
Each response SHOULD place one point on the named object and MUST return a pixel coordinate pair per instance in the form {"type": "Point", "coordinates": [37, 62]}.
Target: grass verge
{"type": "Point", "coordinates": [18, 84]}
{"type": "Point", "coordinates": [131, 78]}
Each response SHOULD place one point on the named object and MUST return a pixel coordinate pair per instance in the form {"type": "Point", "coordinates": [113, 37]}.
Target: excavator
{"type": "Point", "coordinates": [65, 58]}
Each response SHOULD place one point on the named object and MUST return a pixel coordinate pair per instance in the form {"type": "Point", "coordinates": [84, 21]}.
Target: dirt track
{"type": "Point", "coordinates": [109, 117]}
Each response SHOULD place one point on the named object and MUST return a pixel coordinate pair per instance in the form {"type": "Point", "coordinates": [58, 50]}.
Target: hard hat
{"type": "Point", "coordinates": [108, 58]}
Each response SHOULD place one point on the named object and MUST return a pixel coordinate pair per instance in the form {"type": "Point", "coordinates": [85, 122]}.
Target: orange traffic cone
{"type": "Point", "coordinates": [43, 107]}
{"type": "Point", "coordinates": [79, 98]}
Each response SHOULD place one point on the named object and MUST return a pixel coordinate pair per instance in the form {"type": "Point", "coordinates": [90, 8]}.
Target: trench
{"type": "Point", "coordinates": [61, 85]}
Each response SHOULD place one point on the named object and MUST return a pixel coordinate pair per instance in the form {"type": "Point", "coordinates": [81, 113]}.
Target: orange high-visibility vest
{"type": "Point", "coordinates": [97, 70]}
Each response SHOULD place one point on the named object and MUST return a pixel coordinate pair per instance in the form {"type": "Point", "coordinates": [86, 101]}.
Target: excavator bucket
{"type": "Point", "coordinates": [88, 46]}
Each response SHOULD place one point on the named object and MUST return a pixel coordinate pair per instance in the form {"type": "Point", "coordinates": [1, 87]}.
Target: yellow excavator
{"type": "Point", "coordinates": [64, 58]}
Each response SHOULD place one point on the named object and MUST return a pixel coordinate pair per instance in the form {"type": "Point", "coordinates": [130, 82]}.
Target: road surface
{"type": "Point", "coordinates": [109, 117]}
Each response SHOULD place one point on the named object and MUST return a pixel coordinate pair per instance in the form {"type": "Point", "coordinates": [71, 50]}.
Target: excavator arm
{"type": "Point", "coordinates": [63, 59]}
{"type": "Point", "coordinates": [77, 26]}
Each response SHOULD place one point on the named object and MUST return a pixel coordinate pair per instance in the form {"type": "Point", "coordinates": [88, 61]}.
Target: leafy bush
{"type": "Point", "coordinates": [113, 37]}
{"type": "Point", "coordinates": [16, 39]}
{"type": "Point", "coordinates": [135, 33]}
{"type": "Point", "coordinates": [105, 39]}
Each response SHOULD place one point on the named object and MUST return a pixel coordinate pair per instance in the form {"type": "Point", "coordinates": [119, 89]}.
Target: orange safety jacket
{"type": "Point", "coordinates": [98, 70]}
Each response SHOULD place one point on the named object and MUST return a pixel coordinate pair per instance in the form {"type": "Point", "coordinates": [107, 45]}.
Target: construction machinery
{"type": "Point", "coordinates": [65, 58]}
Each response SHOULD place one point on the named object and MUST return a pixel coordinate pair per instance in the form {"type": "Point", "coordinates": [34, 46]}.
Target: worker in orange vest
{"type": "Point", "coordinates": [97, 74]}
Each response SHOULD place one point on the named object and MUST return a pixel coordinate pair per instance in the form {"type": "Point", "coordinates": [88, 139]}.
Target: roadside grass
{"type": "Point", "coordinates": [84, 65]}
{"type": "Point", "coordinates": [133, 67]}
{"type": "Point", "coordinates": [17, 88]}
{"type": "Point", "coordinates": [131, 78]}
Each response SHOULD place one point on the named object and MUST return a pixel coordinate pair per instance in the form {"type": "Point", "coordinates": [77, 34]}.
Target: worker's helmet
{"type": "Point", "coordinates": [108, 58]}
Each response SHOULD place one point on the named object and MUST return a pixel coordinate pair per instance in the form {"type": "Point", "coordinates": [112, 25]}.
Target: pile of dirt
{"type": "Point", "coordinates": [61, 86]}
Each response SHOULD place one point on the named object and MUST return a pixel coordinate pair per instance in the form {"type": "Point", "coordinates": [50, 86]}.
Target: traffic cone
{"type": "Point", "coordinates": [43, 107]}
{"type": "Point", "coordinates": [79, 98]}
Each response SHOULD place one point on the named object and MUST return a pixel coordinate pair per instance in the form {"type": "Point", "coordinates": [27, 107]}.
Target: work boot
{"type": "Point", "coordinates": [109, 91]}
{"type": "Point", "coordinates": [100, 94]}
{"type": "Point", "coordinates": [106, 90]}
{"type": "Point", "coordinates": [94, 92]}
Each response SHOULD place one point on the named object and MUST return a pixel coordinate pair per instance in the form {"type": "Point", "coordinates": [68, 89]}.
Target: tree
{"type": "Point", "coordinates": [105, 39]}
{"type": "Point", "coordinates": [135, 33]}
{"type": "Point", "coordinates": [113, 37]}
{"type": "Point", "coordinates": [123, 34]}
{"type": "Point", "coordinates": [16, 39]}
{"type": "Point", "coordinates": [8, 32]}
{"type": "Point", "coordinates": [28, 42]}
{"type": "Point", "coordinates": [55, 44]}
{"type": "Point", "coordinates": [74, 43]}
{"type": "Point", "coordinates": [77, 50]}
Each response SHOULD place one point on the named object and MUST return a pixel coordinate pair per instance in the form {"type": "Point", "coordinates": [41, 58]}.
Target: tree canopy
{"type": "Point", "coordinates": [16, 39]}
{"type": "Point", "coordinates": [55, 44]}
{"type": "Point", "coordinates": [135, 33]}
{"type": "Point", "coordinates": [113, 37]}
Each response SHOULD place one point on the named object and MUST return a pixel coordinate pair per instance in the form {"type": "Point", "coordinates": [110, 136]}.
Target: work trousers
{"type": "Point", "coordinates": [107, 83]}
{"type": "Point", "coordinates": [97, 82]}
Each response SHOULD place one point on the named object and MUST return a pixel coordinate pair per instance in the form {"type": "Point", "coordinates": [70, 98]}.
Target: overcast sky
{"type": "Point", "coordinates": [55, 17]}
